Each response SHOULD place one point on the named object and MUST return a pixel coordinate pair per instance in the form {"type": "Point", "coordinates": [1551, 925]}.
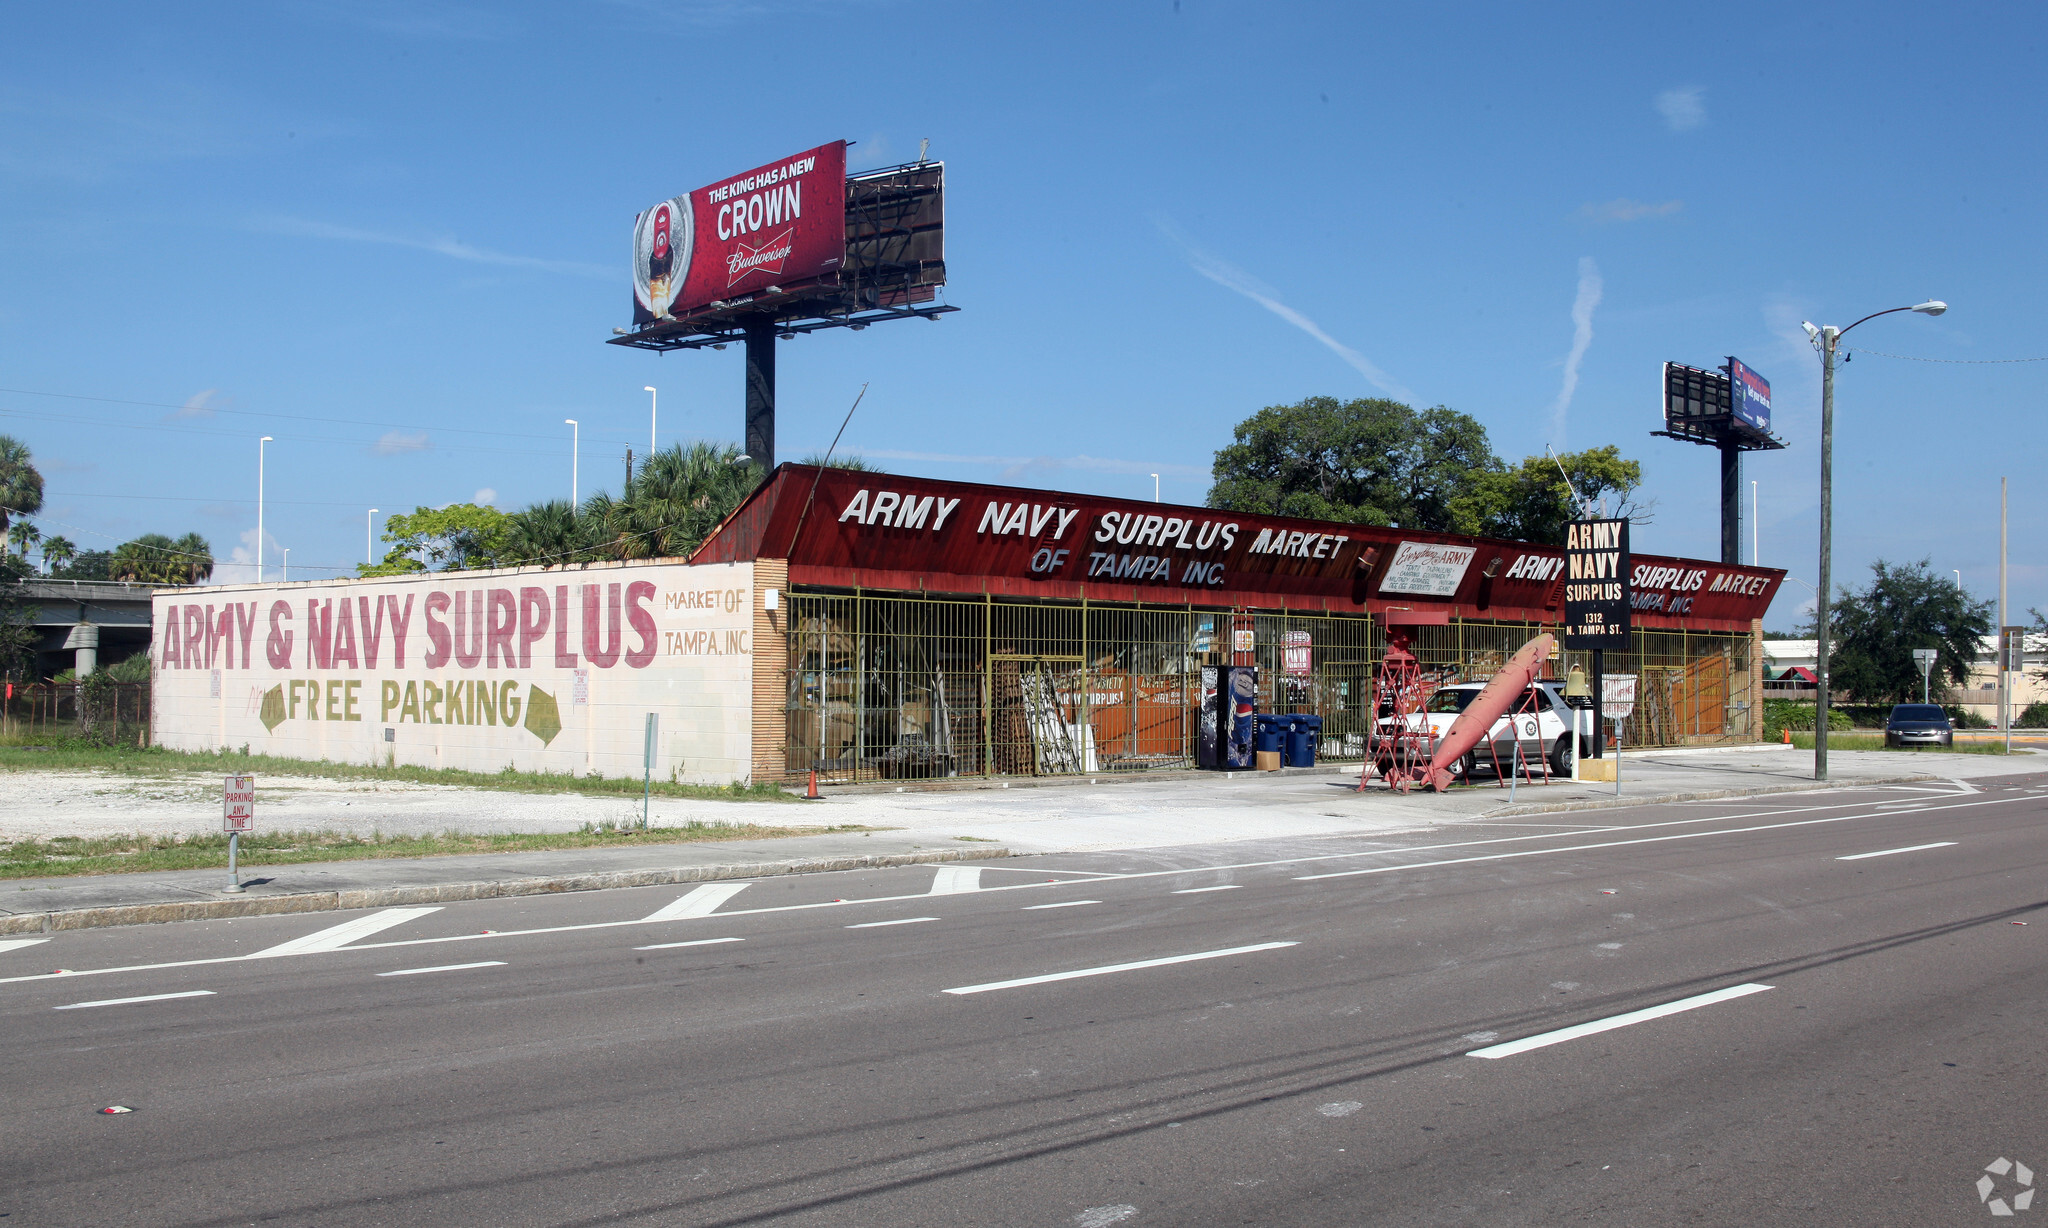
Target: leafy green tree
{"type": "Point", "coordinates": [87, 565]}
{"type": "Point", "coordinates": [1533, 502]}
{"type": "Point", "coordinates": [549, 534]}
{"type": "Point", "coordinates": [680, 495]}
{"type": "Point", "coordinates": [21, 486]}
{"type": "Point", "coordinates": [1362, 462]}
{"type": "Point", "coordinates": [840, 460]}
{"type": "Point", "coordinates": [458, 537]}
{"type": "Point", "coordinates": [196, 556]}
{"type": "Point", "coordinates": [58, 552]}
{"type": "Point", "coordinates": [1875, 631]}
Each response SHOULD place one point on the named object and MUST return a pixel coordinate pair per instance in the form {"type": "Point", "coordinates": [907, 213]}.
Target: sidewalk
{"type": "Point", "coordinates": [990, 820]}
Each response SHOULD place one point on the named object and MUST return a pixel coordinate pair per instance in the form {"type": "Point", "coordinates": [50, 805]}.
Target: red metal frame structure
{"type": "Point", "coordinates": [1396, 742]}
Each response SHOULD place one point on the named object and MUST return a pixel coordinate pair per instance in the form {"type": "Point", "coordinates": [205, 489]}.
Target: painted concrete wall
{"type": "Point", "coordinates": [545, 671]}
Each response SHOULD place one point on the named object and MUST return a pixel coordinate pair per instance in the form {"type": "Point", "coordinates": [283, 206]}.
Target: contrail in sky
{"type": "Point", "coordinates": [1230, 277]}
{"type": "Point", "coordinates": [1582, 337]}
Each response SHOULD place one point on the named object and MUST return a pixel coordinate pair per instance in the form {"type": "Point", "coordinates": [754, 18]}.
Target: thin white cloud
{"type": "Point", "coordinates": [1683, 109]}
{"type": "Point", "coordinates": [1230, 277]}
{"type": "Point", "coordinates": [1626, 210]}
{"type": "Point", "coordinates": [398, 443]}
{"type": "Point", "coordinates": [453, 248]}
{"type": "Point", "coordinates": [1582, 337]}
{"type": "Point", "coordinates": [484, 497]}
{"type": "Point", "coordinates": [198, 405]}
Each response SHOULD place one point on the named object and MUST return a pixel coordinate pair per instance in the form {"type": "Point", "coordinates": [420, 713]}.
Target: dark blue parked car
{"type": "Point", "coordinates": [1918, 725]}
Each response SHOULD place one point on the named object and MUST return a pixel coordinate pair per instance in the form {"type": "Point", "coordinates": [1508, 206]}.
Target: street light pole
{"type": "Point", "coordinates": [1828, 341]}
{"type": "Point", "coordinates": [259, 507]}
{"type": "Point", "coordinates": [370, 538]}
{"type": "Point", "coordinates": [653, 414]}
{"type": "Point", "coordinates": [575, 435]}
{"type": "Point", "coordinates": [287, 564]}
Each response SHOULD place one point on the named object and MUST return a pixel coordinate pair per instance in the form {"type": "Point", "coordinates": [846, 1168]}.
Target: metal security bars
{"type": "Point", "coordinates": [891, 686]}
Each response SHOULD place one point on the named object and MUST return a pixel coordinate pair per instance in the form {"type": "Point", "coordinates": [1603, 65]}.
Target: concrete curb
{"type": "Point", "coordinates": [1701, 795]}
{"type": "Point", "coordinates": [441, 893]}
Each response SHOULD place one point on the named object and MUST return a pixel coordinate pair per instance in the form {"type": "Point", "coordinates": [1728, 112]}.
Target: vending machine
{"type": "Point", "coordinates": [1228, 698]}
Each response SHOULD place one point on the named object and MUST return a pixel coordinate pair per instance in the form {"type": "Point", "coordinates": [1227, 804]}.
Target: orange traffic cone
{"type": "Point", "coordinates": [812, 795]}
{"type": "Point", "coordinates": [1788, 735]}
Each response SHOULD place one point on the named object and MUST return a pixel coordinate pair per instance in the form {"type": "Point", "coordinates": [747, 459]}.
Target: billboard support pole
{"type": "Point", "coordinates": [1731, 502]}
{"type": "Point", "coordinates": [760, 335]}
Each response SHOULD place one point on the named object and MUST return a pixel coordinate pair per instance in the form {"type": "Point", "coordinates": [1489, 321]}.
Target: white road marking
{"type": "Point", "coordinates": [334, 937]}
{"type": "Point", "coordinates": [1617, 1021]}
{"type": "Point", "coordinates": [1911, 848]}
{"type": "Point", "coordinates": [15, 944]}
{"type": "Point", "coordinates": [1341, 1108]}
{"type": "Point", "coordinates": [1200, 890]}
{"type": "Point", "coordinates": [701, 902]}
{"type": "Point", "coordinates": [155, 997]}
{"type": "Point", "coordinates": [951, 880]}
{"type": "Point", "coordinates": [1106, 969]}
{"type": "Point", "coordinates": [1061, 904]}
{"type": "Point", "coordinates": [1933, 805]}
{"type": "Point", "coordinates": [868, 925]}
{"type": "Point", "coordinates": [483, 963]}
{"type": "Point", "coordinates": [694, 942]}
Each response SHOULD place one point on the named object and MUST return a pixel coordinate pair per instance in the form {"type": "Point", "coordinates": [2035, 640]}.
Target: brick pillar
{"type": "Point", "coordinates": [771, 671]}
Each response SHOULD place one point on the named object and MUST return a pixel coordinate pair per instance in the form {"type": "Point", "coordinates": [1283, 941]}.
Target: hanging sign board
{"type": "Point", "coordinates": [1617, 697]}
{"type": "Point", "coordinates": [1431, 569]}
{"type": "Point", "coordinates": [238, 804]}
{"type": "Point", "coordinates": [1596, 583]}
{"type": "Point", "coordinates": [1295, 650]}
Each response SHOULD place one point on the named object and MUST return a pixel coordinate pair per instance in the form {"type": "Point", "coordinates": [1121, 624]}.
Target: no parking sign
{"type": "Point", "coordinates": [238, 804]}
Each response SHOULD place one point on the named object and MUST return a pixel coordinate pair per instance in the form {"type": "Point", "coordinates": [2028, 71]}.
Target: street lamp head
{"type": "Point", "coordinates": [568, 422]}
{"type": "Point", "coordinates": [1932, 307]}
{"type": "Point", "coordinates": [647, 388]}
{"type": "Point", "coordinates": [266, 439]}
{"type": "Point", "coordinates": [1812, 333]}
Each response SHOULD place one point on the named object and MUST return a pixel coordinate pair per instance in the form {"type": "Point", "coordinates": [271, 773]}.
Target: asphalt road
{"type": "Point", "coordinates": [1318, 1032]}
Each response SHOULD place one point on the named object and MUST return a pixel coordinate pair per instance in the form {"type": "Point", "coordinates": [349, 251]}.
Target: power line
{"type": "Point", "coordinates": [1965, 362]}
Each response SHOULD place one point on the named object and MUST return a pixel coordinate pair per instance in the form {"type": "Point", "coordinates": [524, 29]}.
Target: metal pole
{"type": "Point", "coordinates": [2004, 679]}
{"type": "Point", "coordinates": [1829, 336]}
{"type": "Point", "coordinates": [653, 414]}
{"type": "Point", "coordinates": [259, 507]}
{"type": "Point", "coordinates": [575, 452]}
{"type": "Point", "coordinates": [370, 537]}
{"type": "Point", "coordinates": [647, 774]}
{"type": "Point", "coordinates": [1756, 550]}
{"type": "Point", "coordinates": [760, 419]}
{"type": "Point", "coordinates": [1731, 503]}
{"type": "Point", "coordinates": [234, 847]}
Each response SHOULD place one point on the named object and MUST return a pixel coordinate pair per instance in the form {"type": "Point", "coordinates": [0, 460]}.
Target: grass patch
{"type": "Point", "coordinates": [66, 855]}
{"type": "Point", "coordinates": [74, 754]}
{"type": "Point", "coordinates": [1875, 741]}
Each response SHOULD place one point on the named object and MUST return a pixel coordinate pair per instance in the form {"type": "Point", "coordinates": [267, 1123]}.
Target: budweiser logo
{"type": "Point", "coordinates": [765, 257]}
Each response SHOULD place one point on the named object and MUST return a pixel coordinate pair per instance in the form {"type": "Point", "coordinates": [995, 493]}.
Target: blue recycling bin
{"type": "Point", "coordinates": [1269, 733]}
{"type": "Point", "coordinates": [1304, 736]}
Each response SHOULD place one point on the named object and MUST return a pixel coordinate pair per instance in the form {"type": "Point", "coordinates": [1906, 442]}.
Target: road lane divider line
{"type": "Point", "coordinates": [482, 963]}
{"type": "Point", "coordinates": [868, 925]}
{"type": "Point", "coordinates": [1580, 848]}
{"type": "Point", "coordinates": [694, 942]}
{"type": "Point", "coordinates": [15, 944]}
{"type": "Point", "coordinates": [1200, 890]}
{"type": "Point", "coordinates": [1612, 1022]}
{"type": "Point", "coordinates": [334, 937]}
{"type": "Point", "coordinates": [1061, 904]}
{"type": "Point", "coordinates": [1933, 805]}
{"type": "Point", "coordinates": [155, 997]}
{"type": "Point", "coordinates": [1911, 848]}
{"type": "Point", "coordinates": [952, 880]}
{"type": "Point", "coordinates": [1106, 969]}
{"type": "Point", "coordinates": [700, 902]}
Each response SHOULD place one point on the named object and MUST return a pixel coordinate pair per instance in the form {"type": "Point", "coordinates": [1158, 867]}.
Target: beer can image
{"type": "Point", "coordinates": [664, 239]}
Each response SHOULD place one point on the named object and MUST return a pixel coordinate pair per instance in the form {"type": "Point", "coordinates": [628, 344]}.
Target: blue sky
{"type": "Point", "coordinates": [394, 237]}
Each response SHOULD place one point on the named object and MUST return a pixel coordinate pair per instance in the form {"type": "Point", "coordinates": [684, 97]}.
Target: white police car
{"type": "Point", "coordinates": [1543, 727]}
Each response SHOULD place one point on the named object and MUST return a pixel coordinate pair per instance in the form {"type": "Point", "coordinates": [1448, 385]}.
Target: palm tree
{"type": "Point", "coordinates": [152, 559]}
{"type": "Point", "coordinates": [21, 487]}
{"type": "Point", "coordinates": [545, 533]}
{"type": "Point", "coordinates": [58, 552]}
{"type": "Point", "coordinates": [683, 493]}
{"type": "Point", "coordinates": [24, 535]}
{"type": "Point", "coordinates": [195, 558]}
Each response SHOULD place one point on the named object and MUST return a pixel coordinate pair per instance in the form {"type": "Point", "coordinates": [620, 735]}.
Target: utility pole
{"type": "Point", "coordinates": [2004, 683]}
{"type": "Point", "coordinates": [1828, 337]}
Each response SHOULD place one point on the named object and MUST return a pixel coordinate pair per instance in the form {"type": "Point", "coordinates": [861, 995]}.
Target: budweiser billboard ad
{"type": "Point", "coordinates": [780, 223]}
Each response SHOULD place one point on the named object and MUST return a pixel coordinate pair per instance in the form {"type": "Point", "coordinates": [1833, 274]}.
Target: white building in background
{"type": "Point", "coordinates": [1979, 694]}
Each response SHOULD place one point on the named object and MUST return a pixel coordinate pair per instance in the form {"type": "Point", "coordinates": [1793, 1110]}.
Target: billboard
{"type": "Point", "coordinates": [1751, 399]}
{"type": "Point", "coordinates": [542, 671]}
{"type": "Point", "coordinates": [1596, 584]}
{"type": "Point", "coordinates": [780, 223]}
